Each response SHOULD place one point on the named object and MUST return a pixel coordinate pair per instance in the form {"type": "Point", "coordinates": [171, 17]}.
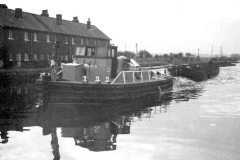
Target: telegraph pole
{"type": "Point", "coordinates": [212, 52]}
{"type": "Point", "coordinates": [137, 51]}
{"type": "Point", "coordinates": [221, 53]}
{"type": "Point", "coordinates": [198, 54]}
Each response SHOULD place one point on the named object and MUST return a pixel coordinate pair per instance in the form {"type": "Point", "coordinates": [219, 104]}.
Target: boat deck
{"type": "Point", "coordinates": [125, 77]}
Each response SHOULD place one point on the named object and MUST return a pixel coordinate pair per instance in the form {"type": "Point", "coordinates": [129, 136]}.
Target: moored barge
{"type": "Point", "coordinates": [102, 79]}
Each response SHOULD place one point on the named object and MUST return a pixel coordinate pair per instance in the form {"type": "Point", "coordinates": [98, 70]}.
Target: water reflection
{"type": "Point", "coordinates": [99, 137]}
{"type": "Point", "coordinates": [4, 137]}
{"type": "Point", "coordinates": [54, 144]}
{"type": "Point", "coordinates": [23, 106]}
{"type": "Point", "coordinates": [16, 103]}
{"type": "Point", "coordinates": [19, 97]}
{"type": "Point", "coordinates": [95, 131]}
{"type": "Point", "coordinates": [59, 131]}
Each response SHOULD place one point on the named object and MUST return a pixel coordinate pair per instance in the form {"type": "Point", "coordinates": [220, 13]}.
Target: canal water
{"type": "Point", "coordinates": [198, 121]}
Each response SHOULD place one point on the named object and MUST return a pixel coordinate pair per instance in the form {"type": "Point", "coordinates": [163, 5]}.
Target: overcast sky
{"type": "Point", "coordinates": [159, 26]}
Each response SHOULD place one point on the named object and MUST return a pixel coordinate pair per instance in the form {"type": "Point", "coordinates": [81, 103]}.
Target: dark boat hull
{"type": "Point", "coordinates": [97, 96]}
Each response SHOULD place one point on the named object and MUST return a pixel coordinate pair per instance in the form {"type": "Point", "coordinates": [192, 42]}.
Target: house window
{"type": "Point", "coordinates": [41, 57]}
{"type": "Point", "coordinates": [26, 90]}
{"type": "Point", "coordinates": [66, 57]}
{"type": "Point", "coordinates": [81, 41]}
{"type": "Point", "coordinates": [35, 37]}
{"type": "Point", "coordinates": [26, 36]}
{"type": "Point", "coordinates": [26, 57]}
{"type": "Point", "coordinates": [99, 42]}
{"type": "Point", "coordinates": [19, 57]}
{"type": "Point", "coordinates": [35, 57]}
{"type": "Point", "coordinates": [48, 57]}
{"type": "Point", "coordinates": [19, 90]}
{"type": "Point", "coordinates": [73, 40]}
{"type": "Point", "coordinates": [55, 39]}
{"type": "Point", "coordinates": [10, 34]}
{"type": "Point", "coordinates": [10, 57]}
{"type": "Point", "coordinates": [87, 41]}
{"type": "Point", "coordinates": [106, 42]}
{"type": "Point", "coordinates": [66, 40]}
{"type": "Point", "coordinates": [48, 38]}
{"type": "Point", "coordinates": [95, 42]}
{"type": "Point", "coordinates": [90, 51]}
{"type": "Point", "coordinates": [80, 51]}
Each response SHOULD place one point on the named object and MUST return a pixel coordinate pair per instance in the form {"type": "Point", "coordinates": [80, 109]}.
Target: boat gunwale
{"type": "Point", "coordinates": [170, 78]}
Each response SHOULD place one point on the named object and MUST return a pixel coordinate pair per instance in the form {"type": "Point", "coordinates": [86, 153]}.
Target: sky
{"type": "Point", "coordinates": [158, 26]}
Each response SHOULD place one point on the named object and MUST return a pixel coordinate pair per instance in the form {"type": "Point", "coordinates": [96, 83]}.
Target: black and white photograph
{"type": "Point", "coordinates": [120, 80]}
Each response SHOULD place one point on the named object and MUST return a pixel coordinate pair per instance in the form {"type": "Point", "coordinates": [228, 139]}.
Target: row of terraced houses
{"type": "Point", "coordinates": [27, 39]}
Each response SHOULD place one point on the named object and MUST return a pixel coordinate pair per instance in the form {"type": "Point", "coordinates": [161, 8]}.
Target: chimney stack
{"type": "Point", "coordinates": [45, 13]}
{"type": "Point", "coordinates": [18, 13]}
{"type": "Point", "coordinates": [88, 24]}
{"type": "Point", "coordinates": [75, 19]}
{"type": "Point", "coordinates": [59, 19]}
{"type": "Point", "coordinates": [3, 6]}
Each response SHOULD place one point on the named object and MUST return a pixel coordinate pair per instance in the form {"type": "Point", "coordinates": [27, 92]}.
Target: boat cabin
{"type": "Point", "coordinates": [92, 62]}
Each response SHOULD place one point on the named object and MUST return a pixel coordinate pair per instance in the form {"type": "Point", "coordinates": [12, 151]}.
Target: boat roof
{"type": "Point", "coordinates": [133, 63]}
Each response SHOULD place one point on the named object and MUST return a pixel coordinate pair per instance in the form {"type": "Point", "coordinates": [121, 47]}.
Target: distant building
{"type": "Point", "coordinates": [26, 37]}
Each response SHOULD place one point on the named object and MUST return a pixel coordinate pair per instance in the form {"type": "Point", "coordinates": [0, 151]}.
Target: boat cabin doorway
{"type": "Point", "coordinates": [112, 53]}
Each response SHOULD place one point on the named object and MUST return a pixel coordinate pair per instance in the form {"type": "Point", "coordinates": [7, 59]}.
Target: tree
{"type": "Point", "coordinates": [235, 55]}
{"type": "Point", "coordinates": [144, 54]}
{"type": "Point", "coordinates": [171, 56]}
{"type": "Point", "coordinates": [180, 54]}
{"type": "Point", "coordinates": [188, 55]}
{"type": "Point", "coordinates": [165, 57]}
{"type": "Point", "coordinates": [127, 54]}
{"type": "Point", "coordinates": [157, 56]}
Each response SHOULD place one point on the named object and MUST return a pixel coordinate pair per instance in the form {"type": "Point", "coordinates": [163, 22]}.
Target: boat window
{"type": "Point", "coordinates": [80, 51]}
{"type": "Point", "coordinates": [90, 51]}
{"type": "Point", "coordinates": [113, 53]}
{"type": "Point", "coordinates": [101, 51]}
{"type": "Point", "coordinates": [109, 52]}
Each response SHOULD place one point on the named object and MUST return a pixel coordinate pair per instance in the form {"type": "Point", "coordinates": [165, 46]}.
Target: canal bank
{"type": "Point", "coordinates": [20, 75]}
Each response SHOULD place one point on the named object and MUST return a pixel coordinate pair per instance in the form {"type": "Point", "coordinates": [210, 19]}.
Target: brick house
{"type": "Point", "coordinates": [26, 38]}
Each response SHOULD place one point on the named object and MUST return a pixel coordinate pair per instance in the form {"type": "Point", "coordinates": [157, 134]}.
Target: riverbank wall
{"type": "Point", "coordinates": [13, 76]}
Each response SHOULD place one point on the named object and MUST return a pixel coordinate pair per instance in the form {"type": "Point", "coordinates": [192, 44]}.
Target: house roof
{"type": "Point", "coordinates": [48, 24]}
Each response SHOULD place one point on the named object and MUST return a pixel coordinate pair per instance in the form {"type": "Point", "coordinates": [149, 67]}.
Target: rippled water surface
{"type": "Point", "coordinates": [199, 121]}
